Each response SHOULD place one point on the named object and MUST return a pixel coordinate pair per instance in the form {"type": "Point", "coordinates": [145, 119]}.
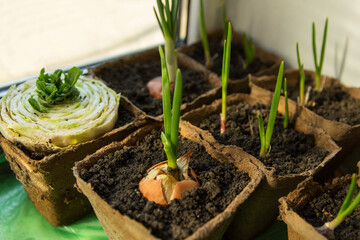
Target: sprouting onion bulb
{"type": "Point", "coordinates": [161, 185]}
{"type": "Point", "coordinates": [346, 209]}
{"type": "Point", "coordinates": [92, 113]}
{"type": "Point", "coordinates": [168, 180]}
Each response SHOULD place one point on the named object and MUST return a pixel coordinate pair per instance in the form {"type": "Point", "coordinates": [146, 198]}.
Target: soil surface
{"type": "Point", "coordinates": [291, 152]}
{"type": "Point", "coordinates": [335, 104]}
{"type": "Point", "coordinates": [325, 206]}
{"type": "Point", "coordinates": [124, 117]}
{"type": "Point", "coordinates": [131, 80]}
{"type": "Point", "coordinates": [115, 178]}
{"type": "Point", "coordinates": [332, 103]}
{"type": "Point", "coordinates": [237, 59]}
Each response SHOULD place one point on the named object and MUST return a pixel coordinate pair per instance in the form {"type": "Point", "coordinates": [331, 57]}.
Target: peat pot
{"type": "Point", "coordinates": [110, 177]}
{"type": "Point", "coordinates": [296, 153]}
{"type": "Point", "coordinates": [48, 179]}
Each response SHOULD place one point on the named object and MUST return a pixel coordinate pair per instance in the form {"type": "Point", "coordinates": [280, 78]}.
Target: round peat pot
{"type": "Point", "coordinates": [336, 109]}
{"type": "Point", "coordinates": [312, 204]}
{"type": "Point", "coordinates": [48, 179]}
{"type": "Point", "coordinates": [296, 153]}
{"type": "Point", "coordinates": [130, 75]}
{"type": "Point", "coordinates": [110, 179]}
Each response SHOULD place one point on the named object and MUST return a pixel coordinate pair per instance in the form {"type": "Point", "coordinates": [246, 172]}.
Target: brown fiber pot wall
{"type": "Point", "coordinates": [120, 226]}
{"type": "Point", "coordinates": [152, 55]}
{"type": "Point", "coordinates": [345, 135]}
{"type": "Point", "coordinates": [275, 186]}
{"type": "Point", "coordinates": [260, 54]}
{"type": "Point", "coordinates": [299, 228]}
{"type": "Point", "coordinates": [49, 182]}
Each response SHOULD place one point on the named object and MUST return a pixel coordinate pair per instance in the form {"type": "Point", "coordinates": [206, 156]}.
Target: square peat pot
{"type": "Point", "coordinates": [296, 153]}
{"type": "Point", "coordinates": [130, 75]}
{"type": "Point", "coordinates": [264, 63]}
{"type": "Point", "coordinates": [48, 179]}
{"type": "Point", "coordinates": [336, 109]}
{"type": "Point", "coordinates": [110, 177]}
{"type": "Point", "coordinates": [312, 204]}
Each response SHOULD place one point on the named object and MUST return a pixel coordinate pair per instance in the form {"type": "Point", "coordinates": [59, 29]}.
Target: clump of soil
{"type": "Point", "coordinates": [291, 152]}
{"type": "Point", "coordinates": [237, 59]}
{"type": "Point", "coordinates": [115, 178]}
{"type": "Point", "coordinates": [131, 80]}
{"type": "Point", "coordinates": [325, 206]}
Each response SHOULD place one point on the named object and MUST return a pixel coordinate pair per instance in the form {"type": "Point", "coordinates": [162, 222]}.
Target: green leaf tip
{"type": "Point", "coordinates": [166, 16]}
{"type": "Point", "coordinates": [319, 65]}
{"type": "Point", "coordinates": [204, 39]}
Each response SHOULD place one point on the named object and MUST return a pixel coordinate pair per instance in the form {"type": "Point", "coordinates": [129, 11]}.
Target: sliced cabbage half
{"type": "Point", "coordinates": [91, 115]}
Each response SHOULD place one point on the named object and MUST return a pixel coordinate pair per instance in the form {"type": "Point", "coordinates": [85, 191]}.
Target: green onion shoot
{"type": "Point", "coordinates": [302, 77]}
{"type": "Point", "coordinates": [286, 116]}
{"type": "Point", "coordinates": [249, 50]}
{"type": "Point", "coordinates": [204, 39]}
{"type": "Point", "coordinates": [52, 89]}
{"type": "Point", "coordinates": [171, 118]}
{"type": "Point", "coordinates": [168, 180]}
{"type": "Point", "coordinates": [346, 208]}
{"type": "Point", "coordinates": [225, 77]}
{"type": "Point", "coordinates": [319, 65]}
{"type": "Point", "coordinates": [266, 138]}
{"type": "Point", "coordinates": [167, 18]}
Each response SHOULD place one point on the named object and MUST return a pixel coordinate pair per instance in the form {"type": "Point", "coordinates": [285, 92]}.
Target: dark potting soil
{"type": "Point", "coordinates": [131, 80]}
{"type": "Point", "coordinates": [336, 105]}
{"type": "Point", "coordinates": [291, 152]}
{"type": "Point", "coordinates": [331, 103]}
{"type": "Point", "coordinates": [124, 117]}
{"type": "Point", "coordinates": [115, 178]}
{"type": "Point", "coordinates": [325, 206]}
{"type": "Point", "coordinates": [237, 59]}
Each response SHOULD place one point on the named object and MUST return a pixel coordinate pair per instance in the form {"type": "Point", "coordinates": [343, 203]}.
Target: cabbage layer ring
{"type": "Point", "coordinates": [89, 116]}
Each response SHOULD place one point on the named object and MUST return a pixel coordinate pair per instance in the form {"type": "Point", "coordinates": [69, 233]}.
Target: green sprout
{"type": "Point", "coordinates": [318, 66]}
{"type": "Point", "coordinates": [208, 60]}
{"type": "Point", "coordinates": [249, 50]}
{"type": "Point", "coordinates": [286, 116]}
{"type": "Point", "coordinates": [266, 138]}
{"type": "Point", "coordinates": [346, 208]}
{"type": "Point", "coordinates": [302, 76]}
{"type": "Point", "coordinates": [167, 19]}
{"type": "Point", "coordinates": [225, 19]}
{"type": "Point", "coordinates": [55, 88]}
{"type": "Point", "coordinates": [171, 118]}
{"type": "Point", "coordinates": [225, 77]}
